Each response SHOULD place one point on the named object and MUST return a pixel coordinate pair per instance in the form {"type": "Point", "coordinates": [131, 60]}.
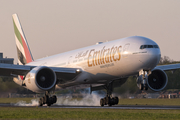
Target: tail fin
{"type": "Point", "coordinates": [23, 50]}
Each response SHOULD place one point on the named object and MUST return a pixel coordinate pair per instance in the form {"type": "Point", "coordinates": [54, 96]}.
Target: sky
{"type": "Point", "coordinates": [57, 26]}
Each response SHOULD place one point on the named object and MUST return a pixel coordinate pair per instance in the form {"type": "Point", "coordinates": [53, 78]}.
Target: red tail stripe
{"type": "Point", "coordinates": [21, 77]}
{"type": "Point", "coordinates": [27, 52]}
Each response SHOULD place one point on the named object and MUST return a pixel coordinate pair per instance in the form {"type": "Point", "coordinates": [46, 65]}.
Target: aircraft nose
{"type": "Point", "coordinates": [154, 56]}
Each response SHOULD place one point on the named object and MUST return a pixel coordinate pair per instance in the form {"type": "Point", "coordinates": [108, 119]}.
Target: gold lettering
{"type": "Point", "coordinates": [102, 56]}
{"type": "Point", "coordinates": [107, 56]}
{"type": "Point", "coordinates": [119, 53]}
{"type": "Point", "coordinates": [89, 57]}
{"type": "Point", "coordinates": [111, 54]}
{"type": "Point", "coordinates": [96, 57]}
{"type": "Point", "coordinates": [114, 52]}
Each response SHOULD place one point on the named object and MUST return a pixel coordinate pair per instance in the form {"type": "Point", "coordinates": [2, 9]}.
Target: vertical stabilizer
{"type": "Point", "coordinates": [23, 50]}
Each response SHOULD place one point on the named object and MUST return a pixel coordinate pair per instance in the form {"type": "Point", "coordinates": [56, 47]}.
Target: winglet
{"type": "Point", "coordinates": [23, 50]}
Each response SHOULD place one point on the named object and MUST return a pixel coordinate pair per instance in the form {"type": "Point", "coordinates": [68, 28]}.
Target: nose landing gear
{"type": "Point", "coordinates": [142, 80]}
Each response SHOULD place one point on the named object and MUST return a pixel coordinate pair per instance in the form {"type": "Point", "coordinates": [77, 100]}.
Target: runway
{"type": "Point", "coordinates": [138, 107]}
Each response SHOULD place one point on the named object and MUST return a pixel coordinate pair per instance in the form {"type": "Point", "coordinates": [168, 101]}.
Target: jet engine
{"type": "Point", "coordinates": [40, 79]}
{"type": "Point", "coordinates": [157, 80]}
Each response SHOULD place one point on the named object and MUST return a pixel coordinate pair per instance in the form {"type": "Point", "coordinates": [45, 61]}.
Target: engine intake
{"type": "Point", "coordinates": [157, 80]}
{"type": "Point", "coordinates": [40, 79]}
{"type": "Point", "coordinates": [45, 78]}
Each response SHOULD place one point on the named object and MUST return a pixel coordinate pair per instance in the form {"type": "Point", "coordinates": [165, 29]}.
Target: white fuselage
{"type": "Point", "coordinates": [107, 61]}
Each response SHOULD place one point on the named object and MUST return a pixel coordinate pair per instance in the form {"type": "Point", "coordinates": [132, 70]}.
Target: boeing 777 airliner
{"type": "Point", "coordinates": [102, 66]}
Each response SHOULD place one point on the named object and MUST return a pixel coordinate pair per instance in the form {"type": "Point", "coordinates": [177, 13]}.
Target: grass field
{"type": "Point", "coordinates": [89, 114]}
{"type": "Point", "coordinates": [175, 102]}
{"type": "Point", "coordinates": [36, 113]}
{"type": "Point", "coordinates": [15, 100]}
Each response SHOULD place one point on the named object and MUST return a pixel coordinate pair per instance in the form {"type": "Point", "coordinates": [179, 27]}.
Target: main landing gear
{"type": "Point", "coordinates": [47, 99]}
{"type": "Point", "coordinates": [109, 100]}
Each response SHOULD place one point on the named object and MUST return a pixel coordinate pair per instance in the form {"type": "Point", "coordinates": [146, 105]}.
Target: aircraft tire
{"type": "Point", "coordinates": [44, 100]}
{"type": "Point", "coordinates": [102, 102]}
{"type": "Point", "coordinates": [109, 104]}
{"type": "Point", "coordinates": [116, 100]}
{"type": "Point", "coordinates": [40, 101]}
{"type": "Point", "coordinates": [54, 98]}
{"type": "Point", "coordinates": [106, 100]}
{"type": "Point", "coordinates": [48, 104]}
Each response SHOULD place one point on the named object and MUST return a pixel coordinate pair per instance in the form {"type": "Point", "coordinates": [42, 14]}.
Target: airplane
{"type": "Point", "coordinates": [105, 65]}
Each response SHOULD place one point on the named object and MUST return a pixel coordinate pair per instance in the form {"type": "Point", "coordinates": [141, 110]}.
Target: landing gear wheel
{"type": "Point", "coordinates": [54, 99]}
{"type": "Point", "coordinates": [102, 102]}
{"type": "Point", "coordinates": [47, 99]}
{"type": "Point", "coordinates": [113, 101]}
{"type": "Point", "coordinates": [48, 104]}
{"type": "Point", "coordinates": [109, 100]}
{"type": "Point", "coordinates": [109, 104]}
{"type": "Point", "coordinates": [40, 101]}
{"type": "Point", "coordinates": [116, 100]}
{"type": "Point", "coordinates": [106, 100]}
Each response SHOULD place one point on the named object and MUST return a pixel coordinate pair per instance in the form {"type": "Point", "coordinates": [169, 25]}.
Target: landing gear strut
{"type": "Point", "coordinates": [47, 99]}
{"type": "Point", "coordinates": [109, 100]}
{"type": "Point", "coordinates": [142, 79]}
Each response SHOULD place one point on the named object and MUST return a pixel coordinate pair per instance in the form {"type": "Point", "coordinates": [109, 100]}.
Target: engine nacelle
{"type": "Point", "coordinates": [40, 79]}
{"type": "Point", "coordinates": [157, 80]}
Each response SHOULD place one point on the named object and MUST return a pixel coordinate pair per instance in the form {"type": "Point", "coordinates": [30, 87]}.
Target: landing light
{"type": "Point", "coordinates": [78, 70]}
{"type": "Point", "coordinates": [99, 43]}
{"type": "Point", "coordinates": [125, 52]}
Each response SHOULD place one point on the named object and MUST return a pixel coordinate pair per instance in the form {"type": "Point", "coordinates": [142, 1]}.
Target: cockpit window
{"type": "Point", "coordinates": [155, 46]}
{"type": "Point", "coordinates": [148, 46]}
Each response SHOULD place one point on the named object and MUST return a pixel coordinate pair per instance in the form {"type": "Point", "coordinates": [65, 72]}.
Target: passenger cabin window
{"type": "Point", "coordinates": [148, 46]}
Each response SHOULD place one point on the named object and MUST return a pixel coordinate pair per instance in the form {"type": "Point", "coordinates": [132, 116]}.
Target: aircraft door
{"type": "Point", "coordinates": [125, 50]}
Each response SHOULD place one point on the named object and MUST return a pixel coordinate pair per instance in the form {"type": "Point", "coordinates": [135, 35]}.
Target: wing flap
{"type": "Point", "coordinates": [64, 70]}
{"type": "Point", "coordinates": [12, 70]}
{"type": "Point", "coordinates": [15, 70]}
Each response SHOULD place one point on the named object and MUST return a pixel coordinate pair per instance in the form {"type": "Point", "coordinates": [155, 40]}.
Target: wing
{"type": "Point", "coordinates": [15, 70]}
{"type": "Point", "coordinates": [168, 67]}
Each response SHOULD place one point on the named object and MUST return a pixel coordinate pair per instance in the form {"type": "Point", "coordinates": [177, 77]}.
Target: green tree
{"type": "Point", "coordinates": [129, 86]}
